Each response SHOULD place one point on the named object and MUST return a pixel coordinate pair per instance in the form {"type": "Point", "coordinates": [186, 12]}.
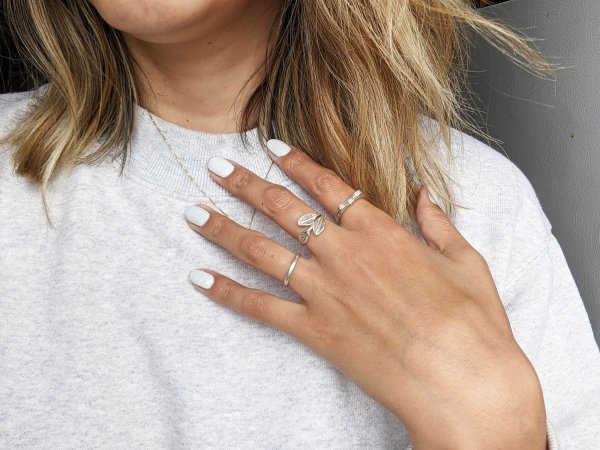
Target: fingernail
{"type": "Point", "coordinates": [278, 148]}
{"type": "Point", "coordinates": [220, 166]}
{"type": "Point", "coordinates": [201, 278]}
{"type": "Point", "coordinates": [196, 215]}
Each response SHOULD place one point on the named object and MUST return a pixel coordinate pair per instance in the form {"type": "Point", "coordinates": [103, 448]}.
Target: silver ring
{"type": "Point", "coordinates": [288, 275]}
{"type": "Point", "coordinates": [343, 206]}
{"type": "Point", "coordinates": [314, 222]}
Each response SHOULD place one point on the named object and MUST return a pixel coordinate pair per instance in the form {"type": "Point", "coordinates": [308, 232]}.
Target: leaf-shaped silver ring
{"type": "Point", "coordinates": [314, 222]}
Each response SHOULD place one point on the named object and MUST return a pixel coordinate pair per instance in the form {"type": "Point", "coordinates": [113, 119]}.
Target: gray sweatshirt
{"type": "Point", "coordinates": [104, 343]}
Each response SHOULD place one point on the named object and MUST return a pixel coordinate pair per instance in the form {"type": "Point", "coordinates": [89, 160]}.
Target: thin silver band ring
{"type": "Point", "coordinates": [288, 275]}
{"type": "Point", "coordinates": [357, 194]}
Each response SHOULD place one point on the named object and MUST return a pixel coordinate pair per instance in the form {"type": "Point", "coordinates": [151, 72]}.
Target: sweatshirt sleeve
{"type": "Point", "coordinates": [551, 325]}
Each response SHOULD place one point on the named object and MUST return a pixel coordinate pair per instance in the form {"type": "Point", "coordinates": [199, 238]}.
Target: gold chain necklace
{"type": "Point", "coordinates": [187, 172]}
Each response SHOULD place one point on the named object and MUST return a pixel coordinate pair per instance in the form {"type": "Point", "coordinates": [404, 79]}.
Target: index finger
{"type": "Point", "coordinates": [323, 184]}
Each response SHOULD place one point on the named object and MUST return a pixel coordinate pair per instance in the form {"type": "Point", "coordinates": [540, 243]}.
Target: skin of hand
{"type": "Point", "coordinates": [418, 326]}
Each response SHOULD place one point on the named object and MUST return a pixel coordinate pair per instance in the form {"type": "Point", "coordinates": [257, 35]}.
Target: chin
{"type": "Point", "coordinates": [170, 21]}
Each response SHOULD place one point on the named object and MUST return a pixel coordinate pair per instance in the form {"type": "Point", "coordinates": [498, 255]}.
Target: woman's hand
{"type": "Point", "coordinates": [418, 326]}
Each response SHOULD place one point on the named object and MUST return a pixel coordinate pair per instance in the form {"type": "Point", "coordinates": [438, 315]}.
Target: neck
{"type": "Point", "coordinates": [204, 83]}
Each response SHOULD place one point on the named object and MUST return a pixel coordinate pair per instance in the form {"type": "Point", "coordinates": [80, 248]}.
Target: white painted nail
{"type": "Point", "coordinates": [196, 215]}
{"type": "Point", "coordinates": [201, 278]}
{"type": "Point", "coordinates": [220, 166]}
{"type": "Point", "coordinates": [278, 148]}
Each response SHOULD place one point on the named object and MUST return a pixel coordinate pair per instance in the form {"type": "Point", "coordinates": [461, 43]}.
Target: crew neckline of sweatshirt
{"type": "Point", "coordinates": [151, 161]}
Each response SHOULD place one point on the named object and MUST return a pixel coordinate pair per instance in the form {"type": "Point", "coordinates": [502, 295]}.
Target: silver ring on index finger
{"type": "Point", "coordinates": [344, 205]}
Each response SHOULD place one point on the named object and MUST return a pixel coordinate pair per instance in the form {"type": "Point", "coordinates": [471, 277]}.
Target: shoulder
{"type": "Point", "coordinates": [14, 106]}
{"type": "Point", "coordinates": [483, 176]}
{"type": "Point", "coordinates": [500, 213]}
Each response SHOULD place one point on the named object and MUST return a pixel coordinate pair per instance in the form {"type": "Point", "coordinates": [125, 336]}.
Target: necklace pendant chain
{"type": "Point", "coordinates": [192, 179]}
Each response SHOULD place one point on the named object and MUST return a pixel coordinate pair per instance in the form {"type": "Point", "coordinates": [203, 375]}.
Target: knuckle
{"type": "Point", "coordinates": [254, 247]}
{"type": "Point", "coordinates": [327, 181]}
{"type": "Point", "coordinates": [255, 305]}
{"type": "Point", "coordinates": [327, 332]}
{"type": "Point", "coordinates": [278, 198]}
{"type": "Point", "coordinates": [441, 222]}
{"type": "Point", "coordinates": [240, 179]}
{"type": "Point", "coordinates": [318, 329]}
{"type": "Point", "coordinates": [217, 227]}
{"type": "Point", "coordinates": [224, 291]}
{"type": "Point", "coordinates": [295, 162]}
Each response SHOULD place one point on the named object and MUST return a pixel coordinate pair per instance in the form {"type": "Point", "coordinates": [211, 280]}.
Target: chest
{"type": "Point", "coordinates": [105, 341]}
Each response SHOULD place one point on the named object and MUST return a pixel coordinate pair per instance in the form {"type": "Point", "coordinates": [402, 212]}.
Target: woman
{"type": "Point", "coordinates": [315, 317]}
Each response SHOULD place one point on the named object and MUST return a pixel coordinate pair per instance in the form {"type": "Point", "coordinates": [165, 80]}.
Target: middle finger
{"type": "Point", "coordinates": [275, 201]}
{"type": "Point", "coordinates": [252, 247]}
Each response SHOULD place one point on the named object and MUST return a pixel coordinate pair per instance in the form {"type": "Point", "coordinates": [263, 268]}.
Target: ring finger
{"type": "Point", "coordinates": [252, 247]}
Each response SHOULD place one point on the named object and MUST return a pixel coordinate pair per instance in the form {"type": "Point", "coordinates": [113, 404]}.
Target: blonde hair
{"type": "Point", "coordinates": [347, 82]}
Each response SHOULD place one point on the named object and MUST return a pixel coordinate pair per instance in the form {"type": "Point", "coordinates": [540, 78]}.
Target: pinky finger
{"type": "Point", "coordinates": [287, 316]}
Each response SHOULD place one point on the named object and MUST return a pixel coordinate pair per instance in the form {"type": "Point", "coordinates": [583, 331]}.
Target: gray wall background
{"type": "Point", "coordinates": [550, 129]}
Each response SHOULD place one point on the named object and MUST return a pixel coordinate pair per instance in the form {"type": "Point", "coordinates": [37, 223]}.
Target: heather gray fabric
{"type": "Point", "coordinates": [104, 343]}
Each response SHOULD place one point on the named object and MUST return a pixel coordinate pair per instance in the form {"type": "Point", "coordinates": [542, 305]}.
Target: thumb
{"type": "Point", "coordinates": [438, 231]}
